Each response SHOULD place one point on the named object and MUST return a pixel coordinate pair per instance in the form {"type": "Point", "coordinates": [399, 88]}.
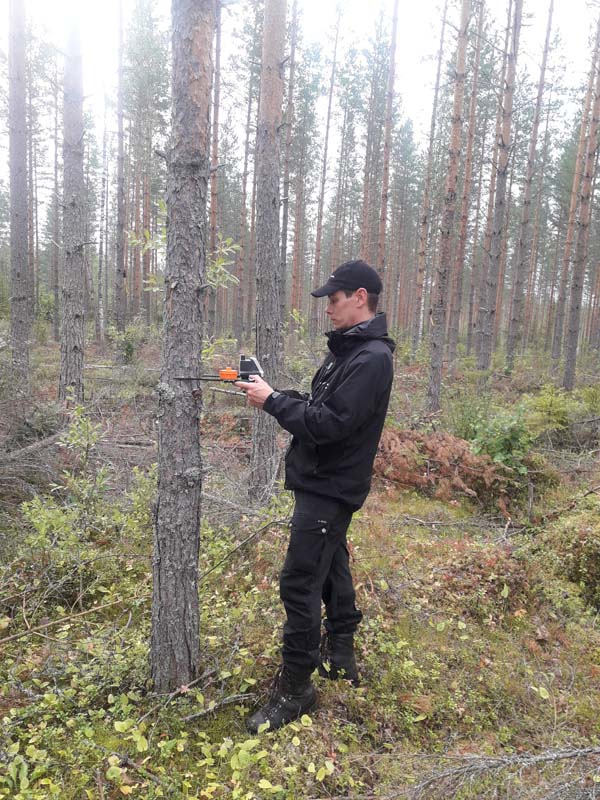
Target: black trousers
{"type": "Point", "coordinates": [316, 569]}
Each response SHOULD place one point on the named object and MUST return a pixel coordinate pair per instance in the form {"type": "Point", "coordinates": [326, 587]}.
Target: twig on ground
{"type": "Point", "coordinates": [226, 701]}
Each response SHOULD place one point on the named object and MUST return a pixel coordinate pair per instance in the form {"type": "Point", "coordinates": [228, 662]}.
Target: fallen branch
{"type": "Point", "coordinates": [551, 515]}
{"type": "Point", "coordinates": [54, 622]}
{"type": "Point", "coordinates": [443, 784]}
{"type": "Point", "coordinates": [17, 455]}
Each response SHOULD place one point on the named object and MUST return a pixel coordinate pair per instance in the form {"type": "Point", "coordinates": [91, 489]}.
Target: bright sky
{"type": "Point", "coordinates": [418, 38]}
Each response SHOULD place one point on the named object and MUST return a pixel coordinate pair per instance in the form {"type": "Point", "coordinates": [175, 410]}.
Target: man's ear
{"type": "Point", "coordinates": [362, 296]}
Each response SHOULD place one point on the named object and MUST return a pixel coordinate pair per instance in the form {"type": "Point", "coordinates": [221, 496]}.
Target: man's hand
{"type": "Point", "coordinates": [256, 390]}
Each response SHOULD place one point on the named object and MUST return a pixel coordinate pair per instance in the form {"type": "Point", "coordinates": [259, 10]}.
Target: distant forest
{"type": "Point", "coordinates": [486, 236]}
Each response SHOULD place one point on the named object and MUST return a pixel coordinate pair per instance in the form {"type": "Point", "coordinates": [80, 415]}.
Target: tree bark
{"type": "Point", "coordinates": [459, 267]}
{"type": "Point", "coordinates": [289, 121]}
{"type": "Point", "coordinates": [56, 205]}
{"type": "Point", "coordinates": [438, 316]}
{"type": "Point", "coordinates": [524, 244]}
{"type": "Point", "coordinates": [175, 647]}
{"type": "Point", "coordinates": [387, 142]}
{"type": "Point", "coordinates": [214, 164]}
{"type": "Point", "coordinates": [268, 255]}
{"type": "Point", "coordinates": [99, 322]}
{"type": "Point", "coordinates": [20, 320]}
{"type": "Point", "coordinates": [121, 263]}
{"type": "Point", "coordinates": [72, 329]}
{"type": "Point", "coordinates": [425, 216]}
{"type": "Point", "coordinates": [317, 274]}
{"type": "Point", "coordinates": [559, 318]}
{"type": "Point", "coordinates": [489, 315]}
{"type": "Point", "coordinates": [581, 248]}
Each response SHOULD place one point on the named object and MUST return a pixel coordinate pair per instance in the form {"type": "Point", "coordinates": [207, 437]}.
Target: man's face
{"type": "Point", "coordinates": [342, 310]}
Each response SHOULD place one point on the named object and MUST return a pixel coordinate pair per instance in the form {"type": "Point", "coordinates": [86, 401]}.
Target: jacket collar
{"type": "Point", "coordinates": [343, 341]}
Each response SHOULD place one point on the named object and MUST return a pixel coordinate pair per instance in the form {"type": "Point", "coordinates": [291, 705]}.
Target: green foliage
{"type": "Point", "coordinates": [504, 434]}
{"type": "Point", "coordinates": [577, 545]}
{"type": "Point", "coordinates": [129, 341]}
{"type": "Point", "coordinates": [506, 438]}
{"type": "Point", "coordinates": [217, 274]}
{"type": "Point", "coordinates": [549, 410]}
{"type": "Point", "coordinates": [590, 397]}
{"type": "Point", "coordinates": [465, 412]}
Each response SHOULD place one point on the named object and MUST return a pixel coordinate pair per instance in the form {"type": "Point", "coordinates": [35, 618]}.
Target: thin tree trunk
{"type": "Point", "coordinates": [242, 288]}
{"type": "Point", "coordinates": [31, 272]}
{"type": "Point", "coordinates": [175, 649]}
{"type": "Point", "coordinates": [137, 250]}
{"type": "Point", "coordinates": [477, 252]}
{"type": "Point", "coordinates": [317, 274]}
{"type": "Point", "coordinates": [387, 142]}
{"type": "Point", "coordinates": [72, 329]}
{"type": "Point", "coordinates": [425, 215]}
{"type": "Point", "coordinates": [146, 252]}
{"type": "Point", "coordinates": [559, 319]}
{"type": "Point", "coordinates": [56, 221]}
{"type": "Point", "coordinates": [121, 265]}
{"type": "Point", "coordinates": [455, 309]}
{"type": "Point", "coordinates": [268, 255]}
{"type": "Point", "coordinates": [20, 321]}
{"type": "Point", "coordinates": [524, 245]}
{"type": "Point", "coordinates": [530, 296]}
{"type": "Point", "coordinates": [214, 165]}
{"type": "Point", "coordinates": [489, 316]}
{"type": "Point", "coordinates": [99, 323]}
{"type": "Point", "coordinates": [438, 316]}
{"type": "Point", "coordinates": [289, 121]}
{"type": "Point", "coordinates": [581, 248]}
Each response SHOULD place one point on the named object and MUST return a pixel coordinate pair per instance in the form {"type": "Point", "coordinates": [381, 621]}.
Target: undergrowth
{"type": "Point", "coordinates": [479, 638]}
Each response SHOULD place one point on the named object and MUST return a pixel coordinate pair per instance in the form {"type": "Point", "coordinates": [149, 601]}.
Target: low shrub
{"type": "Point", "coordinates": [576, 544]}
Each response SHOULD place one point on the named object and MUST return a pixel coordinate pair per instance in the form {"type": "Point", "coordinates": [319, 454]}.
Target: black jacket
{"type": "Point", "coordinates": [336, 428]}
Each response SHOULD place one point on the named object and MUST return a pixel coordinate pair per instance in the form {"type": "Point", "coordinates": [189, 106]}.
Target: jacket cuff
{"type": "Point", "coordinates": [273, 403]}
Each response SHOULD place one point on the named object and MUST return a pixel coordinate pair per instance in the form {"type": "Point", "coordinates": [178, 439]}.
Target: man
{"type": "Point", "coordinates": [335, 433]}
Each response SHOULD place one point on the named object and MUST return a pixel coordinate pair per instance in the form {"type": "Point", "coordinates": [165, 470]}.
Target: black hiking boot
{"type": "Point", "coordinates": [293, 694]}
{"type": "Point", "coordinates": [337, 657]}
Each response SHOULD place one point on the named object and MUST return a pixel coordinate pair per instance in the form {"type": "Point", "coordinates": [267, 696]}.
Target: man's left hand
{"type": "Point", "coordinates": [257, 390]}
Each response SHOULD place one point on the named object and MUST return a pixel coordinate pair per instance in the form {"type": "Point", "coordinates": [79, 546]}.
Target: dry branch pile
{"type": "Point", "coordinates": [439, 464]}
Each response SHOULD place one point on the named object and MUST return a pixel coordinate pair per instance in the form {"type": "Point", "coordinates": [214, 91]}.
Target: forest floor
{"type": "Point", "coordinates": [477, 566]}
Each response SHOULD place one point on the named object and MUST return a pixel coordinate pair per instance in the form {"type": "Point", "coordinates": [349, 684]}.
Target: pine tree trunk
{"type": "Point", "coordinates": [20, 322]}
{"type": "Point", "coordinates": [530, 295]}
{"type": "Point", "coordinates": [121, 264]}
{"type": "Point", "coordinates": [524, 245]}
{"type": "Point", "coordinates": [268, 255]}
{"type": "Point", "coordinates": [559, 318]}
{"type": "Point", "coordinates": [289, 121]}
{"type": "Point", "coordinates": [455, 309]}
{"type": "Point", "coordinates": [425, 215]}
{"type": "Point", "coordinates": [99, 326]}
{"type": "Point", "coordinates": [317, 274]}
{"type": "Point", "coordinates": [387, 142]}
{"type": "Point", "coordinates": [56, 204]}
{"type": "Point", "coordinates": [491, 288]}
{"type": "Point", "coordinates": [581, 248]}
{"type": "Point", "coordinates": [72, 328]}
{"type": "Point", "coordinates": [241, 262]}
{"type": "Point", "coordinates": [32, 268]}
{"type": "Point", "coordinates": [214, 164]}
{"type": "Point", "coordinates": [146, 294]}
{"type": "Point", "coordinates": [445, 263]}
{"type": "Point", "coordinates": [175, 647]}
{"type": "Point", "coordinates": [137, 250]}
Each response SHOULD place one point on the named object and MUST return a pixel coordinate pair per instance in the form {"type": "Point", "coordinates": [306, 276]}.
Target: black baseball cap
{"type": "Point", "coordinates": [352, 275]}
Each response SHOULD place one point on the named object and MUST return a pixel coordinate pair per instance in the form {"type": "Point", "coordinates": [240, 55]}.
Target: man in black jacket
{"type": "Point", "coordinates": [335, 433]}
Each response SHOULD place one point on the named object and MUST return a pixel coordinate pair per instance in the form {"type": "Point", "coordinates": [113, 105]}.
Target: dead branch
{"type": "Point", "coordinates": [23, 452]}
